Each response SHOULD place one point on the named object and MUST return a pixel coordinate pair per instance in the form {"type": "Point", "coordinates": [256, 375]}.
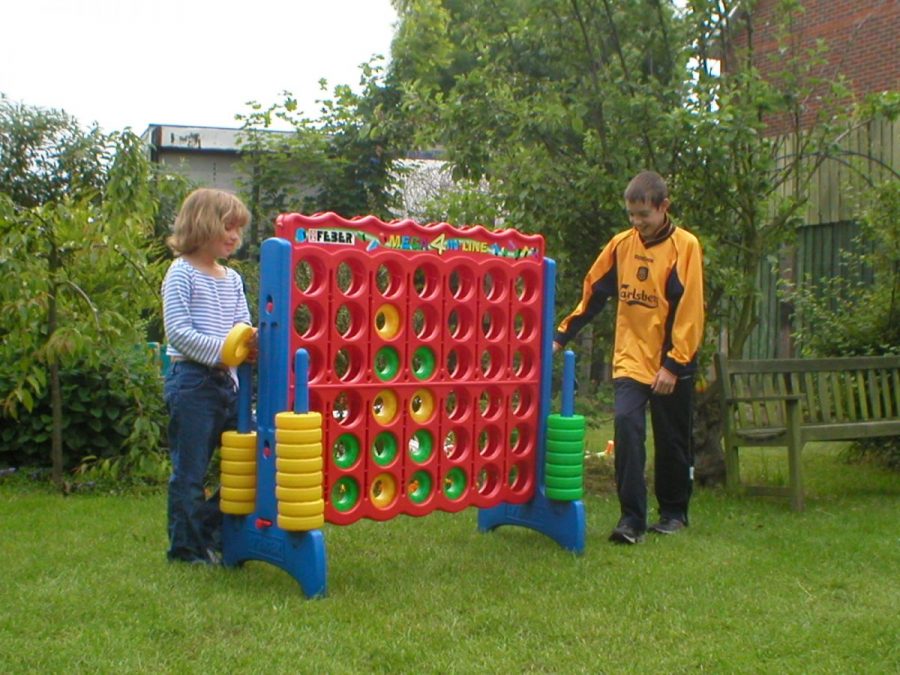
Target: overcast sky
{"type": "Point", "coordinates": [193, 62]}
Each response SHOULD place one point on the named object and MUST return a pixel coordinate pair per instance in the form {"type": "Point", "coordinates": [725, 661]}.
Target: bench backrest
{"type": "Point", "coordinates": [832, 390]}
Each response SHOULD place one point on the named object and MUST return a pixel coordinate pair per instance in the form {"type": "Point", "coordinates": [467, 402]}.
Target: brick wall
{"type": "Point", "coordinates": [863, 37]}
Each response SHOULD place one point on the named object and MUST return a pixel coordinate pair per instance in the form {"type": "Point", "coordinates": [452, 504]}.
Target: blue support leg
{"type": "Point", "coordinates": [300, 554]}
{"type": "Point", "coordinates": [257, 536]}
{"type": "Point", "coordinates": [562, 521]}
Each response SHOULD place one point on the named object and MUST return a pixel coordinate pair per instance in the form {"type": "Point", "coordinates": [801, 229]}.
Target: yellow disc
{"type": "Point", "coordinates": [239, 454]}
{"type": "Point", "coordinates": [308, 451]}
{"type": "Point", "coordinates": [234, 480]}
{"type": "Point", "coordinates": [298, 480]}
{"type": "Point", "coordinates": [298, 465]}
{"type": "Point", "coordinates": [383, 490]}
{"type": "Point", "coordinates": [293, 524]}
{"type": "Point", "coordinates": [301, 509]}
{"type": "Point", "coordinates": [237, 345]}
{"type": "Point", "coordinates": [236, 508]}
{"type": "Point", "coordinates": [235, 440]}
{"type": "Point", "coordinates": [387, 321]}
{"type": "Point", "coordinates": [298, 436]}
{"type": "Point", "coordinates": [421, 405]}
{"type": "Point", "coordinates": [237, 467]}
{"type": "Point", "coordinates": [295, 421]}
{"type": "Point", "coordinates": [384, 406]}
{"type": "Point", "coordinates": [232, 494]}
{"type": "Point", "coordinates": [303, 494]}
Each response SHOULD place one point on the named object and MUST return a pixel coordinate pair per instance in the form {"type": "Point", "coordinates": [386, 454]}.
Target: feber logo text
{"type": "Point", "coordinates": [342, 237]}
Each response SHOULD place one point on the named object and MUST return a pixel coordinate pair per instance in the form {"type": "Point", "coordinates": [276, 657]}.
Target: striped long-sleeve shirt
{"type": "Point", "coordinates": [660, 314]}
{"type": "Point", "coordinates": [199, 310]}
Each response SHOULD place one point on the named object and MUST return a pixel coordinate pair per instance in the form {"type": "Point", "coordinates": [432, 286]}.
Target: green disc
{"type": "Point", "coordinates": [556, 421]}
{"type": "Point", "coordinates": [419, 487]}
{"type": "Point", "coordinates": [564, 495]}
{"type": "Point", "coordinates": [565, 458]}
{"type": "Point", "coordinates": [345, 494]}
{"type": "Point", "coordinates": [565, 434]}
{"type": "Point", "coordinates": [566, 446]}
{"type": "Point", "coordinates": [564, 470]}
{"type": "Point", "coordinates": [455, 483]}
{"type": "Point", "coordinates": [384, 448]}
{"type": "Point", "coordinates": [572, 483]}
{"type": "Point", "coordinates": [420, 445]}
{"type": "Point", "coordinates": [423, 363]}
{"type": "Point", "coordinates": [345, 451]}
{"type": "Point", "coordinates": [387, 363]}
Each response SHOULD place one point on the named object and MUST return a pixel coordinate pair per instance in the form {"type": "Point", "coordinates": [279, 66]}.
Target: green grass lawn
{"type": "Point", "coordinates": [750, 587]}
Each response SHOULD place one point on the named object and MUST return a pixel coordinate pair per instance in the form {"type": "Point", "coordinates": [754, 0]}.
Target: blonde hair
{"type": "Point", "coordinates": [205, 215]}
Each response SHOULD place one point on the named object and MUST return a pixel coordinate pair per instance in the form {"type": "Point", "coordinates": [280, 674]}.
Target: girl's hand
{"type": "Point", "coordinates": [253, 346]}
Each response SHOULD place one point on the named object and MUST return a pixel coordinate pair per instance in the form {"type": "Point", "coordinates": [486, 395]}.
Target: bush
{"type": "Point", "coordinates": [884, 451]}
{"type": "Point", "coordinates": [109, 410]}
{"type": "Point", "coordinates": [857, 316]}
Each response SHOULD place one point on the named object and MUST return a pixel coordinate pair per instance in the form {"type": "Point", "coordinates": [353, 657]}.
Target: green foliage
{"type": "Point", "coordinates": [554, 105]}
{"type": "Point", "coordinates": [122, 473]}
{"type": "Point", "coordinates": [77, 248]}
{"type": "Point", "coordinates": [739, 184]}
{"type": "Point", "coordinates": [274, 166]}
{"type": "Point", "coordinates": [361, 149]}
{"type": "Point", "coordinates": [465, 203]}
{"type": "Point", "coordinates": [342, 162]}
{"type": "Point", "coordinates": [549, 107]}
{"type": "Point", "coordinates": [113, 408]}
{"type": "Point", "coordinates": [857, 314]}
{"type": "Point", "coordinates": [45, 156]}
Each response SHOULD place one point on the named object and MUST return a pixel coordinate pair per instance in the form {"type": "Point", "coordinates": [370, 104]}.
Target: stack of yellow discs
{"type": "Point", "coordinates": [298, 477]}
{"type": "Point", "coordinates": [238, 473]}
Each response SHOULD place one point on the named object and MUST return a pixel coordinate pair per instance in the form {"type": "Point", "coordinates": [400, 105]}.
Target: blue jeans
{"type": "Point", "coordinates": [202, 403]}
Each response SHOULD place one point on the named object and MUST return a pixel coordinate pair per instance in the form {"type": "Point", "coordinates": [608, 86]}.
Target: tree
{"type": "Point", "coordinates": [556, 103]}
{"type": "Point", "coordinates": [76, 211]}
{"type": "Point", "coordinates": [343, 161]}
{"type": "Point", "coordinates": [46, 156]}
{"type": "Point", "coordinates": [553, 104]}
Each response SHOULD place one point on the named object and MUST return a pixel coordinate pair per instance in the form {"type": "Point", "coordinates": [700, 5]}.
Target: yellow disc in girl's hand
{"type": "Point", "coordinates": [237, 345]}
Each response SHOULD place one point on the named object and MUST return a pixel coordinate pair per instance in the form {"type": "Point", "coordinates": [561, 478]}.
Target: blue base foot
{"type": "Point", "coordinates": [564, 522]}
{"type": "Point", "coordinates": [300, 554]}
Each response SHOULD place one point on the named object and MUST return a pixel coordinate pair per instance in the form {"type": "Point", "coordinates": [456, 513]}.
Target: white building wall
{"type": "Point", "coordinates": [206, 170]}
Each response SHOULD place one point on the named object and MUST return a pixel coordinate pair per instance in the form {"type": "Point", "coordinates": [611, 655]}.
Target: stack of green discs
{"type": "Point", "coordinates": [564, 476]}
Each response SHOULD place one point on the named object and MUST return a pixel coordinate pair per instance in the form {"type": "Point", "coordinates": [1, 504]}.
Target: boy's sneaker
{"type": "Point", "coordinates": [625, 534]}
{"type": "Point", "coordinates": [668, 526]}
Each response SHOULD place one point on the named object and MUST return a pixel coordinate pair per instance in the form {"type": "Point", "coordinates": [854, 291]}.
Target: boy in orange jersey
{"type": "Point", "coordinates": [655, 270]}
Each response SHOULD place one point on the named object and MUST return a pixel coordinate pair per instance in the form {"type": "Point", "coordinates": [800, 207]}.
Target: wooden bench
{"type": "Point", "coordinates": [787, 402]}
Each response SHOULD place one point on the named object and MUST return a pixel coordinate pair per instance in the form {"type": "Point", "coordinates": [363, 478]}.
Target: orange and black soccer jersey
{"type": "Point", "coordinates": [659, 319]}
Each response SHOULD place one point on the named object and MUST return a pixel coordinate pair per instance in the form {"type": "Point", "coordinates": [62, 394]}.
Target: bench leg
{"type": "Point", "coordinates": [732, 467]}
{"type": "Point", "coordinates": [795, 446]}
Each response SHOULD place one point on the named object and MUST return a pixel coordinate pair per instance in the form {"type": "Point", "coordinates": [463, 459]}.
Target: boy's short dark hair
{"type": "Point", "coordinates": [647, 186]}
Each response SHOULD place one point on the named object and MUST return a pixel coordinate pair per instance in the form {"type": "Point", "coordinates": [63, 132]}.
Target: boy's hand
{"type": "Point", "coordinates": [556, 346]}
{"type": "Point", "coordinates": [663, 383]}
